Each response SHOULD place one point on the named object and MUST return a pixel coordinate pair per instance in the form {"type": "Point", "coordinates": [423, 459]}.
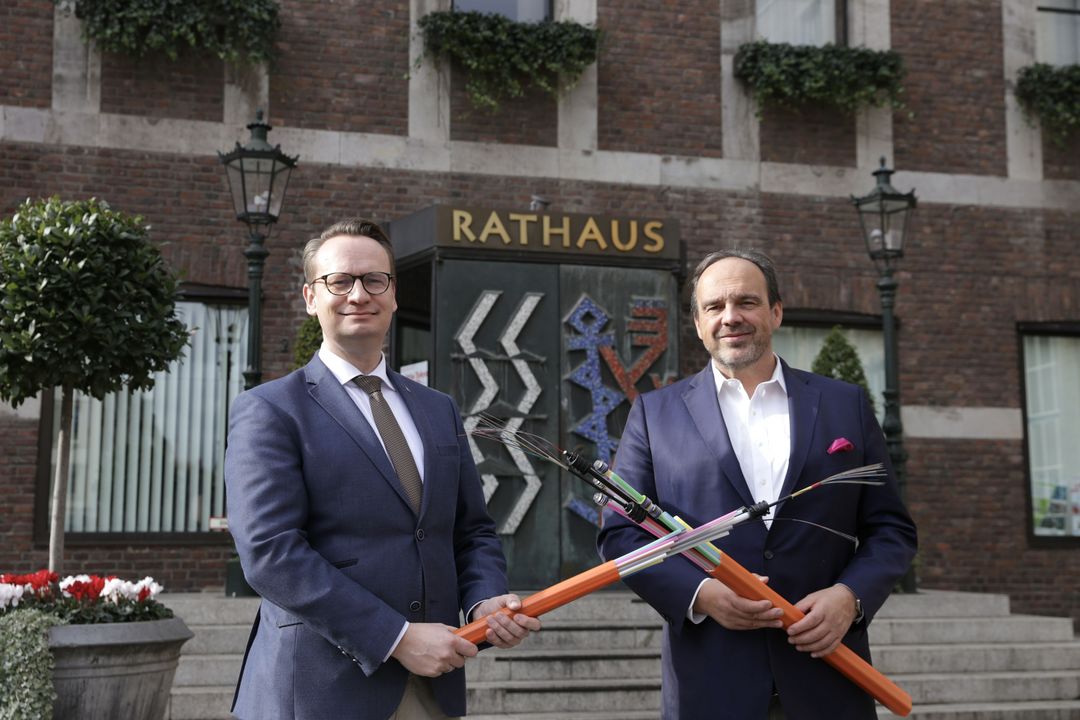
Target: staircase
{"type": "Point", "coordinates": [961, 656]}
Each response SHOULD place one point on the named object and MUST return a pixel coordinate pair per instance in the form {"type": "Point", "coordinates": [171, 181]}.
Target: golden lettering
{"type": "Point", "coordinates": [563, 230]}
{"type": "Point", "coordinates": [494, 226]}
{"type": "Point", "coordinates": [523, 225]}
{"type": "Point", "coordinates": [462, 220]}
{"type": "Point", "coordinates": [591, 232]}
{"type": "Point", "coordinates": [617, 241]}
{"type": "Point", "coordinates": [652, 231]}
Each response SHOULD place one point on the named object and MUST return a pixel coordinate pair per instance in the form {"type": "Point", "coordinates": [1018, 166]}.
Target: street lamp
{"type": "Point", "coordinates": [258, 177]}
{"type": "Point", "coordinates": [885, 215]}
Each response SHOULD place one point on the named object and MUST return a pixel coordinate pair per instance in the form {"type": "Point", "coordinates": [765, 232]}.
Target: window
{"type": "Point", "coordinates": [152, 461]}
{"type": "Point", "coordinates": [802, 22]}
{"type": "Point", "coordinates": [519, 10]}
{"type": "Point", "coordinates": [1052, 424]}
{"type": "Point", "coordinates": [799, 345]}
{"type": "Point", "coordinates": [1057, 32]}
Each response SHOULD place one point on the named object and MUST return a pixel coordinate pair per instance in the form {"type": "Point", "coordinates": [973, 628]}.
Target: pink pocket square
{"type": "Point", "coordinates": [840, 445]}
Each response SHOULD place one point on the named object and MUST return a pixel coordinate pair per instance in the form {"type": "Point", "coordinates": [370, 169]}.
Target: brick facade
{"type": "Point", "coordinates": [26, 53]}
{"type": "Point", "coordinates": [971, 272]}
{"type": "Point", "coordinates": [344, 68]}
{"type": "Point", "coordinates": [659, 76]}
{"type": "Point", "coordinates": [188, 88]}
{"type": "Point", "coordinates": [954, 94]}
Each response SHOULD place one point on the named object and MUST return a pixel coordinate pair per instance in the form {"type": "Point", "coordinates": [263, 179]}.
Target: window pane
{"type": "Point", "coordinates": [798, 22]}
{"type": "Point", "coordinates": [799, 346]}
{"type": "Point", "coordinates": [1051, 369]}
{"type": "Point", "coordinates": [1057, 34]}
{"type": "Point", "coordinates": [520, 10]}
{"type": "Point", "coordinates": [152, 461]}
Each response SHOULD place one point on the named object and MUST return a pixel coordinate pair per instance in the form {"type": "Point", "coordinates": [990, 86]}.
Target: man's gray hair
{"type": "Point", "coordinates": [356, 226]}
{"type": "Point", "coordinates": [763, 262]}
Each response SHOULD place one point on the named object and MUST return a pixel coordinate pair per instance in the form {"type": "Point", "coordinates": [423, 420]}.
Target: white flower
{"type": "Point", "coordinates": [10, 595]}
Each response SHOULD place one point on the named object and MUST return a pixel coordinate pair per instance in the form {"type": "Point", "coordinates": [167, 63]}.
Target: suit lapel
{"type": "Point", "coordinates": [704, 408]}
{"type": "Point", "coordinates": [803, 402]}
{"type": "Point", "coordinates": [325, 389]}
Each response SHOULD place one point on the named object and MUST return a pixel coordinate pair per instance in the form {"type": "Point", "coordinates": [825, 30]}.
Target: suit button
{"type": "Point", "coordinates": [420, 534]}
{"type": "Point", "coordinates": [768, 554]}
{"type": "Point", "coordinates": [415, 606]}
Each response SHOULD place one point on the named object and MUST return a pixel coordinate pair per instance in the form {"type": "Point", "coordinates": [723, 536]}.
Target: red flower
{"type": "Point", "coordinates": [840, 444]}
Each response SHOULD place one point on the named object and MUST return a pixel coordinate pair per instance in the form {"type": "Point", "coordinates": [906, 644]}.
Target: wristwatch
{"type": "Point", "coordinates": [858, 609]}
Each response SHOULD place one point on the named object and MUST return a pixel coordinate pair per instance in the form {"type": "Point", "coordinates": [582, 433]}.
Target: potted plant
{"type": "Point", "coordinates": [86, 647]}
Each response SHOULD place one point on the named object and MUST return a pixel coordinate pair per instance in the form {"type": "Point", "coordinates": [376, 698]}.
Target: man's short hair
{"type": "Point", "coordinates": [763, 262]}
{"type": "Point", "coordinates": [355, 226]}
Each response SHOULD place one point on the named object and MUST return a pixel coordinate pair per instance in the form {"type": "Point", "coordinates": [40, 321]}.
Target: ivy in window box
{"type": "Point", "coordinates": [844, 77]}
{"type": "Point", "coordinates": [1053, 95]}
{"type": "Point", "coordinates": [232, 30]}
{"type": "Point", "coordinates": [501, 57]}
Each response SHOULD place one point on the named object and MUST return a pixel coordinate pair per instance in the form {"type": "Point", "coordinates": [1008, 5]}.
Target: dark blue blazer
{"type": "Point", "coordinates": [327, 538]}
{"type": "Point", "coordinates": [675, 449]}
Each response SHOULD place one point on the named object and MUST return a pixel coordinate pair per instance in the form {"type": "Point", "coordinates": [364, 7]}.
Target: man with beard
{"type": "Point", "coordinates": [749, 428]}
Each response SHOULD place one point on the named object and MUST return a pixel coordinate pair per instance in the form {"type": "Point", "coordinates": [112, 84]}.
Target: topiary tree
{"type": "Point", "coordinates": [839, 359]}
{"type": "Point", "coordinates": [86, 304]}
{"type": "Point", "coordinates": [308, 340]}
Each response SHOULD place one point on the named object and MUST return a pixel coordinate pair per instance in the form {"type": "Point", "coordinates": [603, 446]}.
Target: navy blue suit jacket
{"type": "Point", "coordinates": [327, 538]}
{"type": "Point", "coordinates": [675, 449]}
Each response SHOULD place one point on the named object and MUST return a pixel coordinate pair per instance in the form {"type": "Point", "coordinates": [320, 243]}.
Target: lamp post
{"type": "Point", "coordinates": [884, 216]}
{"type": "Point", "coordinates": [258, 177]}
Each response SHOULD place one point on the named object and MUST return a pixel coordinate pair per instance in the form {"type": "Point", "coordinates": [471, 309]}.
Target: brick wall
{"type": "Point", "coordinates": [1061, 162]}
{"type": "Point", "coordinates": [532, 119]}
{"type": "Point", "coordinates": [954, 89]}
{"type": "Point", "coordinates": [659, 77]}
{"type": "Point", "coordinates": [26, 29]}
{"type": "Point", "coordinates": [18, 464]}
{"type": "Point", "coordinates": [342, 67]}
{"type": "Point", "coordinates": [969, 499]}
{"type": "Point", "coordinates": [188, 88]}
{"type": "Point", "coordinates": [808, 135]}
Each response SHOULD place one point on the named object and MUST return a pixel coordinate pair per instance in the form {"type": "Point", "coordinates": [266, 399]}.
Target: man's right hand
{"type": "Point", "coordinates": [431, 649]}
{"type": "Point", "coordinates": [733, 611]}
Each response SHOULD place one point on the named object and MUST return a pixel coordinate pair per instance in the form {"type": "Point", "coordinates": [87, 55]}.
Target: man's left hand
{"type": "Point", "coordinates": [829, 614]}
{"type": "Point", "coordinates": [505, 630]}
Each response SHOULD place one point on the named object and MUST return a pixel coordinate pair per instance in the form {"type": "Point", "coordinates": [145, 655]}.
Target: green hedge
{"type": "Point", "coordinates": [501, 57]}
{"type": "Point", "coordinates": [230, 29]}
{"type": "Point", "coordinates": [26, 665]}
{"type": "Point", "coordinates": [845, 77]}
{"type": "Point", "coordinates": [1053, 95]}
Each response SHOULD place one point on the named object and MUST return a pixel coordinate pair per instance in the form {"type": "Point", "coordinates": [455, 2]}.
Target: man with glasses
{"type": "Point", "coordinates": [359, 516]}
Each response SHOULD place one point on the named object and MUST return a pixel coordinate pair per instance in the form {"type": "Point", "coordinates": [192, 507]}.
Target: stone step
{"type": "Point", "coordinates": [218, 639]}
{"type": "Point", "coordinates": [1013, 628]}
{"type": "Point", "coordinates": [976, 657]}
{"type": "Point", "coordinates": [200, 703]}
{"type": "Point", "coordinates": [211, 608]}
{"type": "Point", "coordinates": [599, 635]}
{"type": "Point", "coordinates": [563, 696]}
{"type": "Point", "coordinates": [944, 603]}
{"type": "Point", "coordinates": [529, 664]}
{"type": "Point", "coordinates": [1034, 710]}
{"type": "Point", "coordinates": [991, 687]}
{"type": "Point", "coordinates": [207, 670]}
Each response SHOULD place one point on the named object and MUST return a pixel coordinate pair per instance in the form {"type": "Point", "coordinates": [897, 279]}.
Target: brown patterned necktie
{"type": "Point", "coordinates": [394, 440]}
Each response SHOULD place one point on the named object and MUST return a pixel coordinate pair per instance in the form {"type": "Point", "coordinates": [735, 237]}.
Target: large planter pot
{"type": "Point", "coordinates": [115, 670]}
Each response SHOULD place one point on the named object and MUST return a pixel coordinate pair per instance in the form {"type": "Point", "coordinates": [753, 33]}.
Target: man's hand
{"type": "Point", "coordinates": [733, 611]}
{"type": "Point", "coordinates": [504, 630]}
{"type": "Point", "coordinates": [829, 614]}
{"type": "Point", "coordinates": [431, 649]}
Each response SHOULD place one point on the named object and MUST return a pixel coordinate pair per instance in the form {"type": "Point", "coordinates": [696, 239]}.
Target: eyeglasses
{"type": "Point", "coordinates": [339, 283]}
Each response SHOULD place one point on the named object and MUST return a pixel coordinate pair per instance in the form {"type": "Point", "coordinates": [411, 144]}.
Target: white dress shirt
{"type": "Point", "coordinates": [760, 431]}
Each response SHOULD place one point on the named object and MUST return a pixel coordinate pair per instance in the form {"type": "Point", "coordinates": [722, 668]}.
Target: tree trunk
{"type": "Point", "coordinates": [60, 482]}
